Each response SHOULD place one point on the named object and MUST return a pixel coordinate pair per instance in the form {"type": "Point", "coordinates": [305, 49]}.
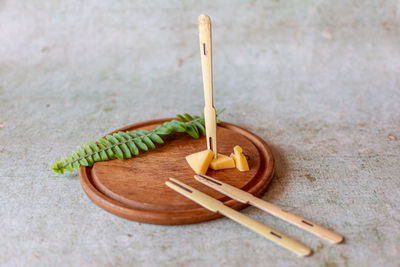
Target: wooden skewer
{"type": "Point", "coordinates": [276, 211]}
{"type": "Point", "coordinates": [297, 220]}
{"type": "Point", "coordinates": [217, 206]}
{"type": "Point", "coordinates": [206, 67]}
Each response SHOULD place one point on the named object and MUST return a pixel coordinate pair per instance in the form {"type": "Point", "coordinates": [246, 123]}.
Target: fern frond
{"type": "Point", "coordinates": [125, 145]}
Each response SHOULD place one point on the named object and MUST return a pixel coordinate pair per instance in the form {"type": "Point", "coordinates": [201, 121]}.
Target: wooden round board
{"type": "Point", "coordinates": [135, 188]}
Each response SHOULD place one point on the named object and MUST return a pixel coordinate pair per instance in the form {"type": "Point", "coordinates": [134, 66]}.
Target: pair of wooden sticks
{"type": "Point", "coordinates": [245, 197]}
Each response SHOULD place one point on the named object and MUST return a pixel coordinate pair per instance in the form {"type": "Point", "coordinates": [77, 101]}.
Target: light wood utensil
{"type": "Point", "coordinates": [276, 211]}
{"type": "Point", "coordinates": [206, 67]}
{"type": "Point", "coordinates": [217, 206]}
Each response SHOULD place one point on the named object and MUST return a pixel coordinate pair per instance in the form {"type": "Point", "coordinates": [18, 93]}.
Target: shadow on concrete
{"type": "Point", "coordinates": [276, 187]}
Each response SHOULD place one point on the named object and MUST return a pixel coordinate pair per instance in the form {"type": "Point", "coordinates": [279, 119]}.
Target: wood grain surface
{"type": "Point", "coordinates": [135, 188]}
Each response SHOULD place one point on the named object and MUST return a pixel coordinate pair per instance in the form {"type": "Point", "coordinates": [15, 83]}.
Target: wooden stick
{"type": "Point", "coordinates": [206, 67]}
{"type": "Point", "coordinates": [276, 211]}
{"type": "Point", "coordinates": [217, 206]}
{"type": "Point", "coordinates": [296, 220]}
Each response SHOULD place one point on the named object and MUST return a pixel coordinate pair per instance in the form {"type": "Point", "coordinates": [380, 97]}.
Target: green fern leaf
{"type": "Point", "coordinates": [181, 126]}
{"type": "Point", "coordinates": [192, 131]}
{"type": "Point", "coordinates": [144, 134]}
{"type": "Point", "coordinates": [117, 151]}
{"type": "Point", "coordinates": [123, 145]}
{"type": "Point", "coordinates": [162, 130]}
{"type": "Point", "coordinates": [133, 148]}
{"type": "Point", "coordinates": [156, 138]}
{"type": "Point", "coordinates": [75, 163]}
{"type": "Point", "coordinates": [57, 168]}
{"type": "Point", "coordinates": [103, 148]}
{"type": "Point", "coordinates": [200, 127]}
{"type": "Point", "coordinates": [96, 156]}
{"type": "Point", "coordinates": [181, 117]}
{"type": "Point", "coordinates": [189, 118]}
{"type": "Point", "coordinates": [138, 141]}
{"type": "Point", "coordinates": [68, 165]}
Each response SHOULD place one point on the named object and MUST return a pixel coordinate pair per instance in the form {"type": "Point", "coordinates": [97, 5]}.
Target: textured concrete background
{"type": "Point", "coordinates": [318, 80]}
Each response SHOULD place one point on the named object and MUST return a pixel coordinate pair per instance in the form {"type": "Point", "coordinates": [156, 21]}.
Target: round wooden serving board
{"type": "Point", "coordinates": [135, 188]}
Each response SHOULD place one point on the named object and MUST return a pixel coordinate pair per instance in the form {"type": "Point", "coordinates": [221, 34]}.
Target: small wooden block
{"type": "Point", "coordinates": [134, 188]}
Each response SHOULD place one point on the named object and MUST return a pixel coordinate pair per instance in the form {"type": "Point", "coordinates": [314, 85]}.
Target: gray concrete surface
{"type": "Point", "coordinates": [318, 80]}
